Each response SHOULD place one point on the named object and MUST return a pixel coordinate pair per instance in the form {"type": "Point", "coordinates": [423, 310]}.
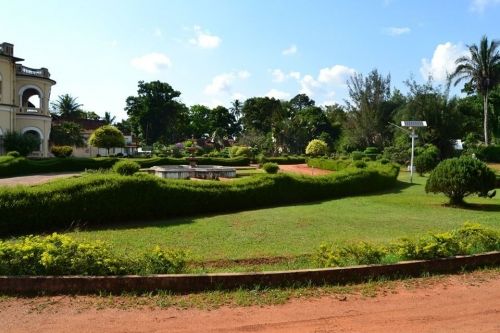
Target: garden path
{"type": "Point", "coordinates": [34, 179]}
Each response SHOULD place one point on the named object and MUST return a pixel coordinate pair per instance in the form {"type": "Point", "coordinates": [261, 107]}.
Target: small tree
{"type": "Point", "coordinates": [107, 136]}
{"type": "Point", "coordinates": [316, 148]}
{"type": "Point", "coordinates": [427, 159]}
{"type": "Point", "coordinates": [22, 143]}
{"type": "Point", "coordinates": [67, 133]}
{"type": "Point", "coordinates": [461, 177]}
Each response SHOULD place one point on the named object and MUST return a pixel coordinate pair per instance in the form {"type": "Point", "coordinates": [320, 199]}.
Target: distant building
{"type": "Point", "coordinates": [24, 99]}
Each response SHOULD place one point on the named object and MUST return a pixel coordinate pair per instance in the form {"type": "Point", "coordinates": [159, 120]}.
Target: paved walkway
{"type": "Point", "coordinates": [35, 179]}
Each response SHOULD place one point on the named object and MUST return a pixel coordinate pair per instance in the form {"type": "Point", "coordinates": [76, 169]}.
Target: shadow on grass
{"type": "Point", "coordinates": [481, 207]}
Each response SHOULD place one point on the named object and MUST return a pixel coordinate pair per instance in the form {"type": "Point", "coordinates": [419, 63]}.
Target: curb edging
{"type": "Point", "coordinates": [198, 282]}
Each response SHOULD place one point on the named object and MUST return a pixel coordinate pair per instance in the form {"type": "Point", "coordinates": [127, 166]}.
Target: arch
{"type": "Point", "coordinates": [34, 129]}
{"type": "Point", "coordinates": [30, 86]}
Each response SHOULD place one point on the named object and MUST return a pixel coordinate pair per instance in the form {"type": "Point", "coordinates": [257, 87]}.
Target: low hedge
{"type": "Point", "coordinates": [10, 166]}
{"type": "Point", "coordinates": [329, 164]}
{"type": "Point", "coordinates": [103, 198]}
{"type": "Point", "coordinates": [284, 159]}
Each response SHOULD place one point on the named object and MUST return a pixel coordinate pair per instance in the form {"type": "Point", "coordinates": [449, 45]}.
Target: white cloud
{"type": "Point", "coordinates": [291, 50]}
{"type": "Point", "coordinates": [294, 75]}
{"type": "Point", "coordinates": [205, 39]}
{"type": "Point", "coordinates": [222, 83]}
{"type": "Point", "coordinates": [443, 61]}
{"type": "Point", "coordinates": [480, 5]}
{"type": "Point", "coordinates": [152, 62]}
{"type": "Point", "coordinates": [278, 75]}
{"type": "Point", "coordinates": [397, 31]}
{"type": "Point", "coordinates": [278, 94]}
{"type": "Point", "coordinates": [337, 74]}
{"type": "Point", "coordinates": [308, 84]}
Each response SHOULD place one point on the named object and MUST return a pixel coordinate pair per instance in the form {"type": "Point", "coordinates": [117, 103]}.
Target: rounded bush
{"type": "Point", "coordinates": [461, 177]}
{"type": "Point", "coordinates": [360, 164]}
{"type": "Point", "coordinates": [14, 153]}
{"type": "Point", "coordinates": [384, 161]}
{"type": "Point", "coordinates": [270, 167]}
{"type": "Point", "coordinates": [61, 151]}
{"type": "Point", "coordinates": [126, 167]}
{"type": "Point", "coordinates": [357, 155]}
{"type": "Point", "coordinates": [316, 147]}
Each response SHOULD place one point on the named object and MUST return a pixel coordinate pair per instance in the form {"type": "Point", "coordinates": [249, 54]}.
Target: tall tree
{"type": "Point", "coordinates": [108, 118]}
{"type": "Point", "coordinates": [66, 133]}
{"type": "Point", "coordinates": [67, 107]}
{"type": "Point", "coordinates": [482, 70]}
{"type": "Point", "coordinates": [156, 114]}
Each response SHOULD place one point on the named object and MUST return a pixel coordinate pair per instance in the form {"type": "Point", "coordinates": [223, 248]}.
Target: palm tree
{"type": "Point", "coordinates": [67, 107]}
{"type": "Point", "coordinates": [108, 119]}
{"type": "Point", "coordinates": [482, 68]}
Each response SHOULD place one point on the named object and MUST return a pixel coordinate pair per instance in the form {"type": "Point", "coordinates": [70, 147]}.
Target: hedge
{"type": "Point", "coordinates": [101, 198]}
{"type": "Point", "coordinates": [329, 164]}
{"type": "Point", "coordinates": [10, 167]}
{"type": "Point", "coordinates": [284, 159]}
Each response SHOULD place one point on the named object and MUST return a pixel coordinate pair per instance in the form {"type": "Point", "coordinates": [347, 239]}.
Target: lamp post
{"type": "Point", "coordinates": [412, 124]}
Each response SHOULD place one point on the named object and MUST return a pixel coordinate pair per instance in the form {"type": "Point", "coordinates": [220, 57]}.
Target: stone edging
{"type": "Point", "coordinates": [198, 282]}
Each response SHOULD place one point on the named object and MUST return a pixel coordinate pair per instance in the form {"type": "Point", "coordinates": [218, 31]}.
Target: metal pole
{"type": "Point", "coordinates": [412, 153]}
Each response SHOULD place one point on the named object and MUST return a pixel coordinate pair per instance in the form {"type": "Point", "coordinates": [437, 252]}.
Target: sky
{"type": "Point", "coordinates": [219, 50]}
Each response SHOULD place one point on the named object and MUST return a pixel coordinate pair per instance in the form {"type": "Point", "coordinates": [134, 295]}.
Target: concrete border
{"type": "Point", "coordinates": [198, 282]}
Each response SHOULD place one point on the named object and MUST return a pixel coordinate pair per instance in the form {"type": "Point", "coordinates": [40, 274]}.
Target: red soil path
{"type": "Point", "coordinates": [304, 169]}
{"type": "Point", "coordinates": [464, 303]}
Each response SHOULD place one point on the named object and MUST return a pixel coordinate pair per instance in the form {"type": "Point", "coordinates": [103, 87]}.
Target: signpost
{"type": "Point", "coordinates": [412, 124]}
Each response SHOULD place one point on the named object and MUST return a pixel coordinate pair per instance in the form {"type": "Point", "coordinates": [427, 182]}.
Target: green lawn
{"type": "Point", "coordinates": [300, 229]}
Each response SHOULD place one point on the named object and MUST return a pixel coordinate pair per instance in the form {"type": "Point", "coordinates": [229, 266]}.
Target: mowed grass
{"type": "Point", "coordinates": [297, 230]}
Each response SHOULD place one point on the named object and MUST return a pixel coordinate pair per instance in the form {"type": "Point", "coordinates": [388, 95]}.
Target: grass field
{"type": "Point", "coordinates": [300, 229]}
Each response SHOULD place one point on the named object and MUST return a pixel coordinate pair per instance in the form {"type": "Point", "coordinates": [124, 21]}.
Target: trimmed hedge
{"type": "Point", "coordinates": [100, 199]}
{"type": "Point", "coordinates": [329, 164]}
{"type": "Point", "coordinates": [10, 167]}
{"type": "Point", "coordinates": [284, 159]}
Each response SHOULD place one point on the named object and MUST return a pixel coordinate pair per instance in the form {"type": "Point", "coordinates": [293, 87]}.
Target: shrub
{"type": "Point", "coordinates": [61, 151]}
{"type": "Point", "coordinates": [282, 159]}
{"type": "Point", "coordinates": [107, 136]}
{"type": "Point", "coordinates": [316, 148]}
{"type": "Point", "coordinates": [240, 151]}
{"type": "Point", "coordinates": [270, 167]}
{"type": "Point", "coordinates": [461, 177]}
{"type": "Point", "coordinates": [367, 159]}
{"type": "Point", "coordinates": [13, 153]}
{"type": "Point", "coordinates": [126, 167]}
{"type": "Point", "coordinates": [427, 158]}
{"type": "Point", "coordinates": [100, 199]}
{"type": "Point", "coordinates": [22, 143]}
{"type": "Point", "coordinates": [161, 261]}
{"type": "Point", "coordinates": [360, 164]}
{"type": "Point", "coordinates": [357, 155]}
{"type": "Point", "coordinates": [328, 164]}
{"type": "Point", "coordinates": [371, 153]}
{"type": "Point", "coordinates": [384, 161]}
{"type": "Point", "coordinates": [360, 253]}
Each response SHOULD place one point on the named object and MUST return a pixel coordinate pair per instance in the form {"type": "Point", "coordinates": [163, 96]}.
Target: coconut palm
{"type": "Point", "coordinates": [482, 68]}
{"type": "Point", "coordinates": [67, 107]}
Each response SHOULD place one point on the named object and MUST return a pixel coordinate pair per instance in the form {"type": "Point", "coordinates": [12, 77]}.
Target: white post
{"type": "Point", "coordinates": [412, 153]}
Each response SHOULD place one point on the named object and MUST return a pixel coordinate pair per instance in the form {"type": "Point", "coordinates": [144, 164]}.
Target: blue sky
{"type": "Point", "coordinates": [216, 51]}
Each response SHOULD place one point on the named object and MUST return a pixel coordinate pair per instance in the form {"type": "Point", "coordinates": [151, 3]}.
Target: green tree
{"type": "Point", "coordinates": [316, 148]}
{"type": "Point", "coordinates": [107, 136]}
{"type": "Point", "coordinates": [156, 114]}
{"type": "Point", "coordinates": [482, 70]}
{"type": "Point", "coordinates": [67, 107]}
{"type": "Point", "coordinates": [66, 133]}
{"type": "Point", "coordinates": [24, 144]}
{"type": "Point", "coordinates": [199, 121]}
{"type": "Point", "coordinates": [108, 118]}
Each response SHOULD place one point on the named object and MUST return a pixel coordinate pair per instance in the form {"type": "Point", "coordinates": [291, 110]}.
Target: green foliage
{"type": "Point", "coordinates": [282, 159]}
{"type": "Point", "coordinates": [271, 167]}
{"type": "Point", "coordinates": [427, 158]}
{"type": "Point", "coordinates": [316, 148]}
{"type": "Point", "coordinates": [61, 151]}
{"type": "Point", "coordinates": [360, 164]}
{"type": "Point", "coordinates": [469, 239]}
{"type": "Point", "coordinates": [13, 153]}
{"type": "Point", "coordinates": [461, 177]}
{"type": "Point", "coordinates": [328, 164]}
{"type": "Point", "coordinates": [62, 255]}
{"type": "Point", "coordinates": [357, 155]}
{"type": "Point", "coordinates": [161, 261]}
{"type": "Point", "coordinates": [66, 133]}
{"type": "Point", "coordinates": [126, 167]}
{"type": "Point", "coordinates": [384, 161]}
{"type": "Point", "coordinates": [22, 143]}
{"type": "Point", "coordinates": [237, 151]}
{"type": "Point", "coordinates": [97, 199]}
{"type": "Point", "coordinates": [107, 136]}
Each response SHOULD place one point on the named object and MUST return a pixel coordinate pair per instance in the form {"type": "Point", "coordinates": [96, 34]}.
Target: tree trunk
{"type": "Point", "coordinates": [485, 111]}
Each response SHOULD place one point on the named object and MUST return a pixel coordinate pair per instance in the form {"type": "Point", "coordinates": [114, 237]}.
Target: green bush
{"type": "Point", "coordinates": [328, 164]}
{"type": "Point", "coordinates": [240, 151]}
{"type": "Point", "coordinates": [126, 167]}
{"type": "Point", "coordinates": [461, 177]}
{"type": "Point", "coordinates": [61, 151]}
{"type": "Point", "coordinates": [270, 167]}
{"type": "Point", "coordinates": [384, 161]}
{"type": "Point", "coordinates": [360, 164]}
{"type": "Point", "coordinates": [13, 153]}
{"type": "Point", "coordinates": [98, 199]}
{"type": "Point", "coordinates": [62, 255]}
{"type": "Point", "coordinates": [371, 153]}
{"type": "Point", "coordinates": [316, 147]}
{"type": "Point", "coordinates": [22, 143]}
{"type": "Point", "coordinates": [283, 159]}
{"type": "Point", "coordinates": [469, 239]}
{"type": "Point", "coordinates": [357, 155]}
{"type": "Point", "coordinates": [427, 158]}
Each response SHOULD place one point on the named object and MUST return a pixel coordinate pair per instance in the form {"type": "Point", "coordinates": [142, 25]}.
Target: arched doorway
{"type": "Point", "coordinates": [31, 99]}
{"type": "Point", "coordinates": [37, 133]}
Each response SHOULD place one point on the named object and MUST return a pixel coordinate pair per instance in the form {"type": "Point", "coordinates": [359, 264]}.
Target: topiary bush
{"type": "Point", "coordinates": [357, 155]}
{"type": "Point", "coordinates": [271, 167]}
{"type": "Point", "coordinates": [360, 164]}
{"type": "Point", "coordinates": [458, 178]}
{"type": "Point", "coordinates": [427, 158]}
{"type": "Point", "coordinates": [328, 164]}
{"type": "Point", "coordinates": [316, 147]}
{"type": "Point", "coordinates": [126, 167]}
{"type": "Point", "coordinates": [61, 151]}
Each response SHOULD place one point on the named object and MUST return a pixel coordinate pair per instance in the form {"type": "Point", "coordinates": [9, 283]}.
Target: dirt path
{"type": "Point", "coordinates": [304, 169]}
{"type": "Point", "coordinates": [462, 303]}
{"type": "Point", "coordinates": [34, 179]}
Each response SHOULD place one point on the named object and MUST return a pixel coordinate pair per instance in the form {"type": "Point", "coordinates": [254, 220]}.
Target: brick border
{"type": "Point", "coordinates": [199, 282]}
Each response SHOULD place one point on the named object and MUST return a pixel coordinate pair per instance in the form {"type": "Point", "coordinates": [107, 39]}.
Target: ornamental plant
{"type": "Point", "coordinates": [316, 147]}
{"type": "Point", "coordinates": [107, 136]}
{"type": "Point", "coordinates": [126, 168]}
{"type": "Point", "coordinates": [270, 167]}
{"type": "Point", "coordinates": [458, 178]}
